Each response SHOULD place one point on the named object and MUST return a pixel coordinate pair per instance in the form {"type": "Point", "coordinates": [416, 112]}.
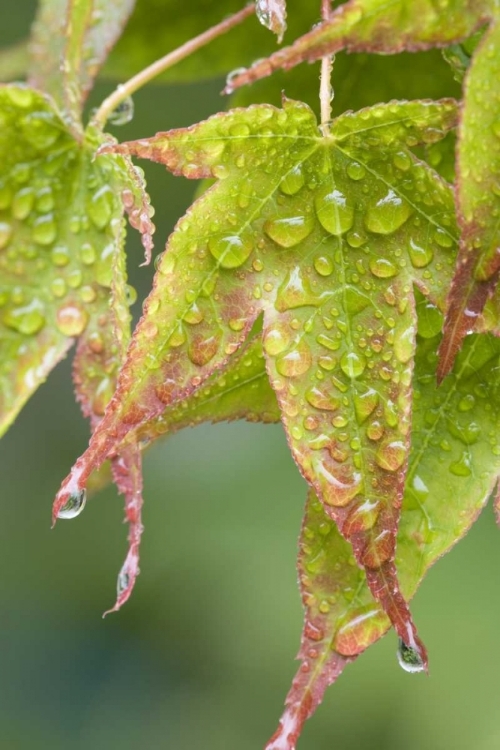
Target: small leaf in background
{"type": "Point", "coordinates": [272, 15]}
{"type": "Point", "coordinates": [478, 198]}
{"type": "Point", "coordinates": [70, 41]}
{"type": "Point", "coordinates": [376, 26]}
{"type": "Point", "coordinates": [325, 236]}
{"type": "Point", "coordinates": [456, 430]}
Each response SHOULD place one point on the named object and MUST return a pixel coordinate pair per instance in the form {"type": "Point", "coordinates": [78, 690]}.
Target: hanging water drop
{"type": "Point", "coordinates": [74, 505]}
{"type": "Point", "coordinates": [334, 212]}
{"type": "Point", "coordinates": [123, 114]}
{"type": "Point", "coordinates": [409, 658]}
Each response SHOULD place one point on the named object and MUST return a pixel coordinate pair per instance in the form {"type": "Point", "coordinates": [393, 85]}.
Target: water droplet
{"type": "Point", "coordinates": [5, 196]}
{"type": "Point", "coordinates": [409, 658]}
{"type": "Point", "coordinates": [22, 203]}
{"type": "Point", "coordinates": [356, 171]}
{"type": "Point", "coordinates": [124, 112]}
{"type": "Point", "coordinates": [365, 403]}
{"type": "Point", "coordinates": [404, 344]}
{"type": "Point", "coordinates": [321, 400]}
{"type": "Point", "coordinates": [338, 490]}
{"type": "Point", "coordinates": [402, 161]}
{"type": "Point", "coordinates": [60, 256]}
{"type": "Point", "coordinates": [462, 467]}
{"type": "Point", "coordinates": [391, 456]}
{"type": "Point", "coordinates": [352, 364]}
{"type": "Point", "coordinates": [44, 230]}
{"type": "Point", "coordinates": [383, 268]}
{"type": "Point", "coordinates": [430, 320]}
{"type": "Point", "coordinates": [419, 256]}
{"type": "Point", "coordinates": [359, 629]}
{"type": "Point", "coordinates": [361, 518]}
{"type": "Point", "coordinates": [100, 207]}
{"type": "Point", "coordinates": [466, 403]}
{"type": "Point", "coordinates": [388, 214]}
{"type": "Point", "coordinates": [87, 254]}
{"type": "Point", "coordinates": [193, 316]}
{"type": "Point", "coordinates": [295, 362]}
{"type": "Point", "coordinates": [74, 505]}
{"type": "Point", "coordinates": [276, 340]}
{"type": "Point", "coordinates": [334, 212]}
{"type": "Point", "coordinates": [289, 231]}
{"type": "Point", "coordinates": [5, 234]}
{"type": "Point", "coordinates": [71, 320]}
{"type": "Point", "coordinates": [295, 292]}
{"type": "Point", "coordinates": [323, 265]}
{"type": "Point", "coordinates": [28, 319]}
{"type": "Point", "coordinates": [378, 550]}
{"type": "Point", "coordinates": [230, 250]}
{"type": "Point", "coordinates": [293, 181]}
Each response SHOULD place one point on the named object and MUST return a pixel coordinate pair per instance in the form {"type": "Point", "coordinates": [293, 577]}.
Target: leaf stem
{"type": "Point", "coordinates": [325, 86]}
{"type": "Point", "coordinates": [125, 90]}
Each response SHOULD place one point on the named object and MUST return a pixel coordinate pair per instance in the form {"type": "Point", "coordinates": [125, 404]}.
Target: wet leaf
{"type": "Point", "coordinates": [378, 26]}
{"type": "Point", "coordinates": [478, 198]}
{"type": "Point", "coordinates": [452, 471]}
{"type": "Point", "coordinates": [70, 41]}
{"type": "Point", "coordinates": [324, 234]}
{"type": "Point", "coordinates": [241, 391]}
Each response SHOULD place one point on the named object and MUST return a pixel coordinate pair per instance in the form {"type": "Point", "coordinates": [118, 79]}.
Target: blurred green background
{"type": "Point", "coordinates": [202, 655]}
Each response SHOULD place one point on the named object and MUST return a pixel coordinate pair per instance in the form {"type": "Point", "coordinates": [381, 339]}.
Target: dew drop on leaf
{"type": "Point", "coordinates": [289, 231]}
{"type": "Point", "coordinates": [293, 181]}
{"type": "Point", "coordinates": [352, 364]}
{"type": "Point", "coordinates": [5, 234]}
{"type": "Point", "coordinates": [334, 212]}
{"type": "Point", "coordinates": [74, 506]}
{"type": "Point", "coordinates": [388, 214]}
{"type": "Point", "coordinates": [230, 250]}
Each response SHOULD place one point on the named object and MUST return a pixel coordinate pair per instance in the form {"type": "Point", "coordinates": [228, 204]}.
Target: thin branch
{"type": "Point", "coordinates": [125, 90]}
{"type": "Point", "coordinates": [325, 87]}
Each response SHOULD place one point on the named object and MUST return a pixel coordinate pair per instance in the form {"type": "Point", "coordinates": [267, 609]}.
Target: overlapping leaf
{"type": "Point", "coordinates": [378, 26]}
{"type": "Point", "coordinates": [478, 197]}
{"type": "Point", "coordinates": [71, 39]}
{"type": "Point", "coordinates": [454, 462]}
{"type": "Point", "coordinates": [325, 235]}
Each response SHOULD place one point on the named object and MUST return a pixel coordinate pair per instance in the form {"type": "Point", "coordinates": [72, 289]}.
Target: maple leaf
{"type": "Point", "coordinates": [70, 41]}
{"type": "Point", "coordinates": [377, 26]}
{"type": "Point", "coordinates": [341, 617]}
{"type": "Point", "coordinates": [478, 198]}
{"type": "Point", "coordinates": [326, 235]}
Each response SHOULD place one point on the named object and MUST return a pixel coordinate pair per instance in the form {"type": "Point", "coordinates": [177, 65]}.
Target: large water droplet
{"type": "Point", "coordinates": [321, 400]}
{"type": "Point", "coordinates": [409, 658]}
{"type": "Point", "coordinates": [100, 207]}
{"type": "Point", "coordinates": [28, 319]}
{"type": "Point", "coordinates": [353, 364]}
{"type": "Point", "coordinates": [383, 268]}
{"type": "Point", "coordinates": [44, 230]}
{"type": "Point", "coordinates": [388, 214]}
{"type": "Point", "coordinates": [419, 256]}
{"type": "Point", "coordinates": [293, 181]}
{"type": "Point", "coordinates": [295, 362]}
{"type": "Point", "coordinates": [289, 231]}
{"type": "Point", "coordinates": [361, 518]}
{"type": "Point", "coordinates": [71, 320]}
{"type": "Point", "coordinates": [74, 505]}
{"type": "Point", "coordinates": [359, 629]}
{"type": "Point", "coordinates": [276, 340]}
{"type": "Point", "coordinates": [334, 212]}
{"type": "Point", "coordinates": [295, 292]}
{"type": "Point", "coordinates": [22, 204]}
{"type": "Point", "coordinates": [390, 456]}
{"type": "Point", "coordinates": [230, 250]}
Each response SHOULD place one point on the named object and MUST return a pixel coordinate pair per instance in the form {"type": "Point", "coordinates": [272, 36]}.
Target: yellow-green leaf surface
{"type": "Point", "coordinates": [325, 234]}
{"type": "Point", "coordinates": [478, 197]}
{"type": "Point", "coordinates": [454, 462]}
{"type": "Point", "coordinates": [61, 233]}
{"type": "Point", "coordinates": [71, 39]}
{"type": "Point", "coordinates": [378, 26]}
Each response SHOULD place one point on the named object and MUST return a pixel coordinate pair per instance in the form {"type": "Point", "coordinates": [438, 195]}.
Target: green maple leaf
{"type": "Point", "coordinates": [325, 234]}
{"type": "Point", "coordinates": [478, 198]}
{"type": "Point", "coordinates": [341, 617]}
